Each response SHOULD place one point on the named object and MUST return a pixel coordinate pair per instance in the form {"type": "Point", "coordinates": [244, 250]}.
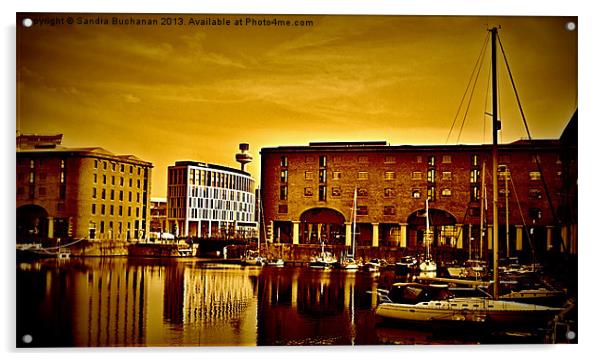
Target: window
{"type": "Point", "coordinates": [322, 175]}
{"type": "Point", "coordinates": [474, 193]}
{"type": "Point", "coordinates": [282, 208]}
{"type": "Point", "coordinates": [121, 181]}
{"type": "Point", "coordinates": [362, 210]}
{"type": "Point", "coordinates": [284, 176]}
{"type": "Point", "coordinates": [534, 176]}
{"type": "Point", "coordinates": [389, 192]}
{"type": "Point", "coordinates": [120, 210]}
{"type": "Point", "coordinates": [389, 159]}
{"type": "Point", "coordinates": [94, 178]}
{"type": "Point", "coordinates": [431, 161]}
{"type": "Point", "coordinates": [322, 161]}
{"type": "Point", "coordinates": [389, 175]}
{"type": "Point", "coordinates": [430, 176]}
{"type": "Point", "coordinates": [430, 193]}
{"type": "Point", "coordinates": [362, 192]}
{"type": "Point", "coordinates": [104, 165]}
{"type": "Point", "coordinates": [104, 179]}
{"type": "Point", "coordinates": [418, 159]}
{"type": "Point", "coordinates": [389, 210]}
{"type": "Point", "coordinates": [474, 175]}
{"type": "Point", "coordinates": [336, 175]}
{"type": "Point", "coordinates": [121, 195]}
{"type": "Point", "coordinates": [415, 193]}
{"type": "Point", "coordinates": [95, 163]}
{"type": "Point", "coordinates": [336, 191]}
{"type": "Point", "coordinates": [362, 175]}
{"type": "Point", "coordinates": [362, 159]}
{"type": "Point", "coordinates": [93, 192]}
{"type": "Point", "coordinates": [308, 192]}
{"type": "Point", "coordinates": [446, 192]}
{"type": "Point", "coordinates": [113, 167]}
{"type": "Point", "coordinates": [111, 209]}
{"type": "Point", "coordinates": [535, 193]}
{"type": "Point", "coordinates": [416, 175]}
{"type": "Point", "coordinates": [283, 193]}
{"type": "Point", "coordinates": [446, 176]}
{"type": "Point", "coordinates": [446, 159]}
{"type": "Point", "coordinates": [122, 168]}
{"type": "Point", "coordinates": [284, 161]}
{"type": "Point", "coordinates": [309, 175]}
{"type": "Point", "coordinates": [93, 208]}
{"type": "Point", "coordinates": [322, 193]}
{"type": "Point", "coordinates": [102, 209]}
{"type": "Point", "coordinates": [474, 160]}
{"type": "Point", "coordinates": [103, 194]}
{"type": "Point", "coordinates": [112, 194]}
{"type": "Point", "coordinates": [534, 213]}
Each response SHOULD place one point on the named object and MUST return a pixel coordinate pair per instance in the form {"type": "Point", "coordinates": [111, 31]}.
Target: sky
{"type": "Point", "coordinates": [194, 92]}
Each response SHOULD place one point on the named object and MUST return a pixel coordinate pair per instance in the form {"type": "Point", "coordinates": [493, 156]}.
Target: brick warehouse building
{"type": "Point", "coordinates": [307, 194]}
{"type": "Point", "coordinates": [82, 193]}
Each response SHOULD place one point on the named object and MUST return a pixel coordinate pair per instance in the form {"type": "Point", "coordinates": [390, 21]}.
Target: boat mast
{"type": "Point", "coordinates": [495, 128]}
{"type": "Point", "coordinates": [354, 216]}
{"type": "Point", "coordinates": [506, 175]}
{"type": "Point", "coordinates": [427, 233]}
{"type": "Point", "coordinates": [483, 210]}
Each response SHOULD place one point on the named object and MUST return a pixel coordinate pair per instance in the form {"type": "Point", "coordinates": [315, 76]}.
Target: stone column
{"type": "Point", "coordinates": [549, 238]}
{"type": "Point", "coordinates": [573, 231]}
{"type": "Point", "coordinates": [50, 227]}
{"type": "Point", "coordinates": [375, 235]}
{"type": "Point", "coordinates": [296, 232]}
{"type": "Point", "coordinates": [519, 237]}
{"type": "Point", "coordinates": [403, 235]}
{"type": "Point", "coordinates": [459, 239]}
{"type": "Point", "coordinates": [564, 233]}
{"type": "Point", "coordinates": [348, 234]}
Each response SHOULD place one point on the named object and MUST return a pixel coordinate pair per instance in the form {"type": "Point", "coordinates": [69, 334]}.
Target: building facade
{"type": "Point", "coordinates": [308, 191]}
{"type": "Point", "coordinates": [158, 210]}
{"type": "Point", "coordinates": [81, 193]}
{"type": "Point", "coordinates": [210, 201]}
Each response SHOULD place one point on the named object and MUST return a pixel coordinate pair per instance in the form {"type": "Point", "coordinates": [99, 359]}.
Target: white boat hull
{"type": "Point", "coordinates": [473, 310]}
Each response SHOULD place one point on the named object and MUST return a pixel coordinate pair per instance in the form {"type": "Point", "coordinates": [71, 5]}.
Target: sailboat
{"type": "Point", "coordinates": [435, 303]}
{"type": "Point", "coordinates": [428, 264]}
{"type": "Point", "coordinates": [324, 261]}
{"type": "Point", "coordinates": [349, 263]}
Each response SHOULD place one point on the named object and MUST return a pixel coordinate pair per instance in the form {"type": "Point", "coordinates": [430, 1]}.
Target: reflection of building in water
{"type": "Point", "coordinates": [110, 307]}
{"type": "Point", "coordinates": [216, 296]}
{"type": "Point", "coordinates": [173, 297]}
{"type": "Point", "coordinates": [319, 304]}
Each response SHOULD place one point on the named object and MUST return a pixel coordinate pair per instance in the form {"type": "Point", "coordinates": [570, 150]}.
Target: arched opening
{"type": "Point", "coordinates": [322, 225]}
{"type": "Point", "coordinates": [32, 224]}
{"type": "Point", "coordinates": [442, 223]}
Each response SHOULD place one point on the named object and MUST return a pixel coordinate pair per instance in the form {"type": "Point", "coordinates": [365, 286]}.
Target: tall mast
{"type": "Point", "coordinates": [428, 230]}
{"type": "Point", "coordinates": [506, 175]}
{"type": "Point", "coordinates": [483, 209]}
{"type": "Point", "coordinates": [495, 128]}
{"type": "Point", "coordinates": [354, 213]}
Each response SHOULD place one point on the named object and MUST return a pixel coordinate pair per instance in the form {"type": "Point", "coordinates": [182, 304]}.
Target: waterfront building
{"type": "Point", "coordinates": [81, 193]}
{"type": "Point", "coordinates": [210, 201]}
{"type": "Point", "coordinates": [307, 193]}
{"type": "Point", "coordinates": [158, 214]}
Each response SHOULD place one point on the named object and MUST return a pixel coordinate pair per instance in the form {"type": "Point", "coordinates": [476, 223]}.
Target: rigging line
{"type": "Point", "coordinates": [486, 102]}
{"type": "Point", "coordinates": [467, 87]}
{"type": "Point", "coordinates": [539, 168]}
{"type": "Point", "coordinates": [474, 86]}
{"type": "Point", "coordinates": [520, 211]}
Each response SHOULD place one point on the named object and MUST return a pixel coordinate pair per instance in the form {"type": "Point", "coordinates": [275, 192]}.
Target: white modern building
{"type": "Point", "coordinates": [210, 201]}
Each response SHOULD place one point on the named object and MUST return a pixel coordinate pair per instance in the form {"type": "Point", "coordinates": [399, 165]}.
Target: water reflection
{"type": "Point", "coordinates": [179, 302]}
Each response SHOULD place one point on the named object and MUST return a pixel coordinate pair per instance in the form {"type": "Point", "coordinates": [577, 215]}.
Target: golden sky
{"type": "Point", "coordinates": [193, 92]}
